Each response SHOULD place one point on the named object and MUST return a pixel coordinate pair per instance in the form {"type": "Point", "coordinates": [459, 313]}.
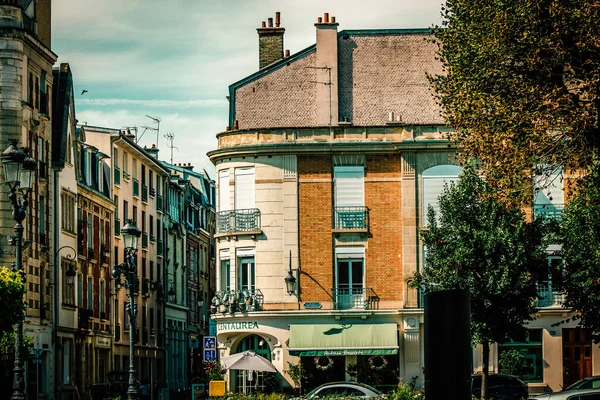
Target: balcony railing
{"type": "Point", "coordinates": [548, 211]}
{"type": "Point", "coordinates": [351, 218]}
{"type": "Point", "coordinates": [136, 187]}
{"type": "Point", "coordinates": [233, 221]}
{"type": "Point", "coordinates": [117, 227]}
{"type": "Point", "coordinates": [117, 177]}
{"type": "Point", "coordinates": [145, 193]}
{"type": "Point", "coordinates": [234, 301]}
{"type": "Point", "coordinates": [548, 297]}
{"type": "Point", "coordinates": [354, 298]}
{"type": "Point", "coordinates": [144, 240]}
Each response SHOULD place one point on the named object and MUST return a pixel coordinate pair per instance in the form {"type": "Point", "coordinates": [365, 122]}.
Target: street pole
{"type": "Point", "coordinates": [132, 391]}
{"type": "Point", "coordinates": [19, 378]}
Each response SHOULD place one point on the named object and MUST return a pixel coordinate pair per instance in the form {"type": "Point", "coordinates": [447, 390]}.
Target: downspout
{"type": "Point", "coordinates": [55, 294]}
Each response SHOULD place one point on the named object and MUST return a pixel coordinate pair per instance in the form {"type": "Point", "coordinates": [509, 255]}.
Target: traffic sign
{"type": "Point", "coordinates": [210, 342]}
{"type": "Point", "coordinates": [210, 355]}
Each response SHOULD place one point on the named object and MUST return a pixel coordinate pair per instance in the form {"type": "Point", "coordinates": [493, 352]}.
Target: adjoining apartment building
{"type": "Point", "coordinates": [324, 175]}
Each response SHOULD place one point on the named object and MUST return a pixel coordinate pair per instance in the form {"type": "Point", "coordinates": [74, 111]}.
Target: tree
{"type": "Point", "coordinates": [12, 290]}
{"type": "Point", "coordinates": [580, 228]}
{"type": "Point", "coordinates": [521, 85]}
{"type": "Point", "coordinates": [480, 244]}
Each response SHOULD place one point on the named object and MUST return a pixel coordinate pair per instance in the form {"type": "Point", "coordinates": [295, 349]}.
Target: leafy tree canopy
{"type": "Point", "coordinates": [12, 290]}
{"type": "Point", "coordinates": [522, 85]}
{"type": "Point", "coordinates": [581, 250]}
{"type": "Point", "coordinates": [478, 243]}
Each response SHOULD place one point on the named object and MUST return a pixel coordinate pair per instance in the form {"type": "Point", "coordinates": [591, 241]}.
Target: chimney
{"type": "Point", "coordinates": [326, 62]}
{"type": "Point", "coordinates": [270, 42]}
{"type": "Point", "coordinates": [187, 166]}
{"type": "Point", "coordinates": [152, 151]}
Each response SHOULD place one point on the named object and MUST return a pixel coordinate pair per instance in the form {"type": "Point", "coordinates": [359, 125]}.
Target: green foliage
{"type": "Point", "coordinates": [258, 396]}
{"type": "Point", "coordinates": [512, 363]}
{"type": "Point", "coordinates": [213, 370]}
{"type": "Point", "coordinates": [521, 84]}
{"type": "Point", "coordinates": [481, 244]}
{"type": "Point", "coordinates": [12, 290]}
{"type": "Point", "coordinates": [7, 347]}
{"type": "Point", "coordinates": [296, 372]}
{"type": "Point", "coordinates": [406, 392]}
{"type": "Point", "coordinates": [580, 228]}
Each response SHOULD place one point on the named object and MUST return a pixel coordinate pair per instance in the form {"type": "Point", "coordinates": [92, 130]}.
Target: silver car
{"type": "Point", "coordinates": [344, 389]}
{"type": "Point", "coordinates": [578, 394]}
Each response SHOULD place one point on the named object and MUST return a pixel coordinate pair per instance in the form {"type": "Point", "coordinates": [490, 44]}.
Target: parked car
{"type": "Point", "coordinates": [573, 394]}
{"type": "Point", "coordinates": [118, 382]}
{"type": "Point", "coordinates": [345, 389]}
{"type": "Point", "coordinates": [501, 387]}
{"type": "Point", "coordinates": [589, 383]}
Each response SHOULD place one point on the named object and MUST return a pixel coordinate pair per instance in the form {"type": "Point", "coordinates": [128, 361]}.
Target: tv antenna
{"type": "Point", "coordinates": [157, 129]}
{"type": "Point", "coordinates": [170, 137]}
{"type": "Point", "coordinates": [132, 128]}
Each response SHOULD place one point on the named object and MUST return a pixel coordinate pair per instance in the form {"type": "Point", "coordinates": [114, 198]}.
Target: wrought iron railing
{"type": "Point", "coordinates": [354, 298]}
{"type": "Point", "coordinates": [117, 176]}
{"type": "Point", "coordinates": [136, 187]}
{"type": "Point", "coordinates": [351, 218]}
{"type": "Point", "coordinates": [548, 297]}
{"type": "Point", "coordinates": [247, 220]}
{"type": "Point", "coordinates": [548, 211]}
{"type": "Point", "coordinates": [233, 301]}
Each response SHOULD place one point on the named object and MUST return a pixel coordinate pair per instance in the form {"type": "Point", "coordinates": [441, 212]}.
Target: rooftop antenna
{"type": "Point", "coordinates": [157, 129]}
{"type": "Point", "coordinates": [135, 129]}
{"type": "Point", "coordinates": [170, 136]}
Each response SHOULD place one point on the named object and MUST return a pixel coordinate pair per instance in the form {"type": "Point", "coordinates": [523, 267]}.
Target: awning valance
{"type": "Point", "coordinates": [343, 339]}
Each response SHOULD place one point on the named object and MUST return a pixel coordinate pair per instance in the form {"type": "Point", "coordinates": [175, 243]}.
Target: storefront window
{"type": "Point", "coordinates": [523, 357]}
{"type": "Point", "coordinates": [258, 381]}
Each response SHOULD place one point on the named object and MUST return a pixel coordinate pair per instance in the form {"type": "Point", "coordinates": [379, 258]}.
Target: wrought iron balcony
{"type": "Point", "coordinates": [351, 219]}
{"type": "Point", "coordinates": [233, 301]}
{"type": "Point", "coordinates": [239, 221]}
{"type": "Point", "coordinates": [548, 297]}
{"type": "Point", "coordinates": [354, 298]}
{"type": "Point", "coordinates": [548, 211]}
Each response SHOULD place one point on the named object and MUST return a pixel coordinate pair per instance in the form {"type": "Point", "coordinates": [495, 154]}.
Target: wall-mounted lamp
{"type": "Point", "coordinates": [171, 293]}
{"type": "Point", "coordinates": [70, 274]}
{"type": "Point", "coordinates": [290, 279]}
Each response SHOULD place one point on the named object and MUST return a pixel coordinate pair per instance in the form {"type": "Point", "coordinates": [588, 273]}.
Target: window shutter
{"type": "Point", "coordinates": [244, 188]}
{"type": "Point", "coordinates": [349, 186]}
{"type": "Point", "coordinates": [224, 190]}
{"type": "Point", "coordinates": [434, 180]}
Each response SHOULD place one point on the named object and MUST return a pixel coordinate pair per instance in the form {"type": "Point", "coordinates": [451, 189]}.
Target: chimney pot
{"type": "Point", "coordinates": [287, 53]}
{"type": "Point", "coordinates": [270, 22]}
{"type": "Point", "coordinates": [326, 18]}
{"type": "Point", "coordinates": [277, 19]}
{"type": "Point", "coordinates": [333, 20]}
{"type": "Point", "coordinates": [264, 24]}
{"type": "Point", "coordinates": [236, 125]}
{"type": "Point", "coordinates": [227, 128]}
{"type": "Point", "coordinates": [319, 20]}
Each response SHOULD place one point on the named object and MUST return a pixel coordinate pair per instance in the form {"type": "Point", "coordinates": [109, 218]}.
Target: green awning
{"type": "Point", "coordinates": [343, 339]}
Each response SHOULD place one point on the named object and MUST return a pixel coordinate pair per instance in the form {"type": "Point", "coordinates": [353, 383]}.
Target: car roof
{"type": "Point", "coordinates": [349, 383]}
{"type": "Point", "coordinates": [566, 394]}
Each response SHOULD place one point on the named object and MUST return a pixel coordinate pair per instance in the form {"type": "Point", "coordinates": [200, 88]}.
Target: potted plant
{"type": "Point", "coordinates": [216, 386]}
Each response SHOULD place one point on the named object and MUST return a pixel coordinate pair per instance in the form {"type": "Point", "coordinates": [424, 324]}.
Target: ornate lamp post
{"type": "Point", "coordinates": [19, 169]}
{"type": "Point", "coordinates": [126, 275]}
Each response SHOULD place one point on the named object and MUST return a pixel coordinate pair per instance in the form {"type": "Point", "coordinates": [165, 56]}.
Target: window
{"type": "Point", "coordinates": [548, 296]}
{"type": "Point", "coordinates": [68, 291]}
{"type": "Point", "coordinates": [125, 166]}
{"type": "Point", "coordinates": [80, 289]}
{"type": "Point", "coordinates": [90, 293]}
{"type": "Point", "coordinates": [125, 211]}
{"type": "Point", "coordinates": [67, 202]}
{"type": "Point", "coordinates": [348, 184]}
{"type": "Point", "coordinates": [549, 197]}
{"type": "Point", "coordinates": [224, 195]}
{"type": "Point", "coordinates": [244, 188]}
{"type": "Point", "coordinates": [90, 230]}
{"type": "Point", "coordinates": [66, 367]}
{"type": "Point", "coordinates": [101, 299]}
{"type": "Point", "coordinates": [349, 277]}
{"type": "Point", "coordinates": [134, 215]}
{"type": "Point", "coordinates": [134, 168]}
{"type": "Point", "coordinates": [69, 149]}
{"type": "Point", "coordinates": [225, 276]}
{"type": "Point", "coordinates": [529, 348]}
{"type": "Point", "coordinates": [434, 179]}
{"type": "Point", "coordinates": [246, 269]}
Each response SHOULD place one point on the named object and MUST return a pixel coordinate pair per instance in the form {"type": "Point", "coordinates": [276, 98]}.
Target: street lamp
{"type": "Point", "coordinates": [18, 172]}
{"type": "Point", "coordinates": [290, 279]}
{"type": "Point", "coordinates": [126, 275]}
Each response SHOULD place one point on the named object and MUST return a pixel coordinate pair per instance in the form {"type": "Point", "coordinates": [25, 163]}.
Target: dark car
{"type": "Point", "coordinates": [118, 382]}
{"type": "Point", "coordinates": [501, 387]}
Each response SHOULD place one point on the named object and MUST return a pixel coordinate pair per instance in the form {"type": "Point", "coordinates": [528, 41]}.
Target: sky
{"type": "Point", "coordinates": [173, 60]}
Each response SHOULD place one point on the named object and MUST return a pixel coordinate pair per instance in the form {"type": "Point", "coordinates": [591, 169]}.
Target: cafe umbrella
{"type": "Point", "coordinates": [249, 361]}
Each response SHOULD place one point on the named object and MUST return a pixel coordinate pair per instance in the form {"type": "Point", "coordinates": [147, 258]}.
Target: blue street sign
{"type": "Point", "coordinates": [210, 355]}
{"type": "Point", "coordinates": [210, 342]}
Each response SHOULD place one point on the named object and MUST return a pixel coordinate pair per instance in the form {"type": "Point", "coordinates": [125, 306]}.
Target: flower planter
{"type": "Point", "coordinates": [216, 388]}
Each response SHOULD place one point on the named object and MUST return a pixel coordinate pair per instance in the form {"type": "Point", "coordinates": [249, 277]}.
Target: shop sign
{"type": "Point", "coordinates": [312, 305]}
{"type": "Point", "coordinates": [102, 342]}
{"type": "Point", "coordinates": [358, 352]}
{"type": "Point", "coordinates": [237, 326]}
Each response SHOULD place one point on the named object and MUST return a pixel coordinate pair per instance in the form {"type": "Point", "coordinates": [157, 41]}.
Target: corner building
{"type": "Point", "coordinates": [323, 175]}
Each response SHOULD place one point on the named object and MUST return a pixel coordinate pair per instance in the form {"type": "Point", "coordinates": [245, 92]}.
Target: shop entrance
{"type": "Point", "coordinates": [322, 369]}
{"type": "Point", "coordinates": [256, 381]}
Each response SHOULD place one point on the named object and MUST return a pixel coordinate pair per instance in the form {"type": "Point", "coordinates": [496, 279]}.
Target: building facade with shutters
{"type": "Point", "coordinates": [324, 177]}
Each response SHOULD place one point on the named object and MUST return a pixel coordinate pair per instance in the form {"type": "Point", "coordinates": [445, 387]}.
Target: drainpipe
{"type": "Point", "coordinates": [55, 276]}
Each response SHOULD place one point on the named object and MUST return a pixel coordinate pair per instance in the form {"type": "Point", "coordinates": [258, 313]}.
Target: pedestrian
{"type": "Point", "coordinates": [144, 390]}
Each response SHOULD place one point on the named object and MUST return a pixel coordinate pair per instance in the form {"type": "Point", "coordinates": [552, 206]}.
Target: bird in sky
{"type": "Point", "coordinates": [83, 92]}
